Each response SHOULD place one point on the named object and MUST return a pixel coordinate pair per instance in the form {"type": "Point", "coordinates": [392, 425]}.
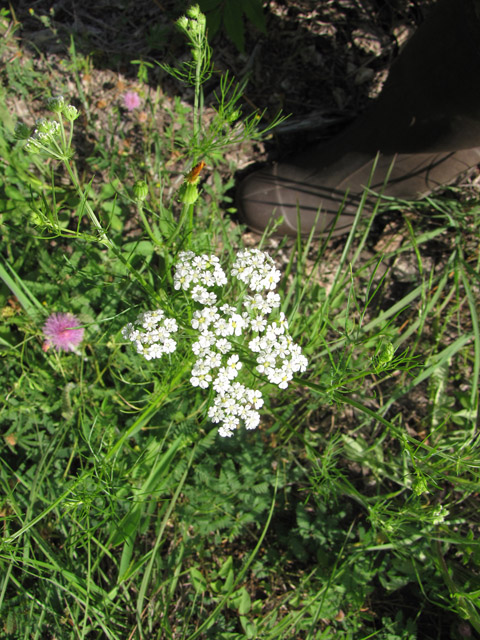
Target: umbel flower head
{"type": "Point", "coordinates": [62, 331]}
{"type": "Point", "coordinates": [252, 326]}
{"type": "Point", "coordinates": [151, 334]}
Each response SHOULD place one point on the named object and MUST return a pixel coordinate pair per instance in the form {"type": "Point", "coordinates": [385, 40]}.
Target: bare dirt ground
{"type": "Point", "coordinates": [322, 61]}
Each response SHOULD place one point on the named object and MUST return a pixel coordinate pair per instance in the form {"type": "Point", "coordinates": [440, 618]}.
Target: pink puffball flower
{"type": "Point", "coordinates": [131, 100]}
{"type": "Point", "coordinates": [61, 331]}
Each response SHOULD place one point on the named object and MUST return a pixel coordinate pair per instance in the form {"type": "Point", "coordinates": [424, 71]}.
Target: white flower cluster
{"type": "Point", "coordinates": [256, 269]}
{"type": "Point", "coordinates": [151, 334]}
{"type": "Point", "coordinates": [202, 272]}
{"type": "Point", "coordinates": [222, 328]}
{"type": "Point", "coordinates": [234, 404]}
{"type": "Point", "coordinates": [45, 131]}
{"type": "Point", "coordinates": [278, 357]}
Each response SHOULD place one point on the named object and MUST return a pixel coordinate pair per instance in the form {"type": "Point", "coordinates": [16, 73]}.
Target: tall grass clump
{"type": "Point", "coordinates": [202, 439]}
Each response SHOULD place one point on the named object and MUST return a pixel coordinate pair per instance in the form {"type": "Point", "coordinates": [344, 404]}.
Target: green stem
{"type": "Point", "coordinates": [186, 220]}
{"type": "Point", "coordinates": [156, 241]}
{"type": "Point", "coordinates": [196, 102]}
{"type": "Point", "coordinates": [72, 172]}
{"type": "Point", "coordinates": [147, 226]}
{"type": "Point", "coordinates": [62, 132]}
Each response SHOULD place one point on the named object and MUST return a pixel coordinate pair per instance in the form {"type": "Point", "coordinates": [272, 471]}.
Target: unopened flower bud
{"type": "Point", "coordinates": [32, 146]}
{"type": "Point", "coordinates": [188, 193]}
{"type": "Point", "coordinates": [41, 125]}
{"type": "Point", "coordinates": [35, 218]}
{"type": "Point", "coordinates": [197, 29]}
{"type": "Point", "coordinates": [182, 23]}
{"type": "Point", "coordinates": [194, 11]}
{"type": "Point", "coordinates": [202, 21]}
{"type": "Point", "coordinates": [46, 129]}
{"type": "Point", "coordinates": [22, 131]}
{"type": "Point", "coordinates": [385, 352]}
{"type": "Point", "coordinates": [56, 104]}
{"type": "Point", "coordinates": [419, 486]}
{"type": "Point", "coordinates": [140, 190]}
{"type": "Point", "coordinates": [234, 115]}
{"type": "Point", "coordinates": [70, 112]}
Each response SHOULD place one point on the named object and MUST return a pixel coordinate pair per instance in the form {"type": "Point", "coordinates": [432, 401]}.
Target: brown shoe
{"type": "Point", "coordinates": [425, 128]}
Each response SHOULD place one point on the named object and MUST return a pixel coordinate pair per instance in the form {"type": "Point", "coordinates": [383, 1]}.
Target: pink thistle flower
{"type": "Point", "coordinates": [131, 100]}
{"type": "Point", "coordinates": [61, 331]}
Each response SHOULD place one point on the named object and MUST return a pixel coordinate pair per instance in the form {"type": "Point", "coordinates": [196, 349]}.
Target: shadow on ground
{"type": "Point", "coordinates": [315, 59]}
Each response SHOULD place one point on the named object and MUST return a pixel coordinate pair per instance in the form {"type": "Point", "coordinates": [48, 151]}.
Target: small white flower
{"type": "Point", "coordinates": [238, 391]}
{"type": "Point", "coordinates": [273, 299]}
{"type": "Point", "coordinates": [231, 422]}
{"type": "Point", "coordinates": [127, 331]}
{"type": "Point", "coordinates": [227, 309]}
{"type": "Point", "coordinates": [200, 375]}
{"type": "Point", "coordinates": [252, 420]}
{"type": "Point", "coordinates": [216, 413]}
{"type": "Point", "coordinates": [182, 278]}
{"type": "Point", "coordinates": [223, 328]}
{"type": "Point", "coordinates": [237, 323]}
{"type": "Point", "coordinates": [203, 318]}
{"type": "Point", "coordinates": [147, 320]}
{"type": "Point", "coordinates": [229, 405]}
{"type": "Point", "coordinates": [207, 278]}
{"type": "Point", "coordinates": [170, 325]}
{"type": "Point", "coordinates": [200, 350]}
{"type": "Point", "coordinates": [224, 432]}
{"type": "Point", "coordinates": [223, 345]}
{"type": "Point", "coordinates": [201, 295]}
{"type": "Point", "coordinates": [169, 345]}
{"type": "Point", "coordinates": [154, 351]}
{"type": "Point", "coordinates": [46, 129]}
{"type": "Point", "coordinates": [258, 324]}
{"type": "Point", "coordinates": [233, 366]}
{"type": "Point", "coordinates": [213, 360]}
{"type": "Point", "coordinates": [282, 348]}
{"type": "Point", "coordinates": [243, 412]}
{"type": "Point", "coordinates": [255, 345]}
{"type": "Point", "coordinates": [255, 398]}
{"type": "Point", "coordinates": [261, 304]}
{"type": "Point", "coordinates": [222, 382]}
{"type": "Point", "coordinates": [265, 361]}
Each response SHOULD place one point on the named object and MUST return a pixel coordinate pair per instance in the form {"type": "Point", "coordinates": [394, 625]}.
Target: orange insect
{"type": "Point", "coordinates": [193, 175]}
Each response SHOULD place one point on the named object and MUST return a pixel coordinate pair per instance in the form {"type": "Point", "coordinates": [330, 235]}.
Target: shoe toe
{"type": "Point", "coordinates": [286, 197]}
{"type": "Point", "coordinates": [260, 203]}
